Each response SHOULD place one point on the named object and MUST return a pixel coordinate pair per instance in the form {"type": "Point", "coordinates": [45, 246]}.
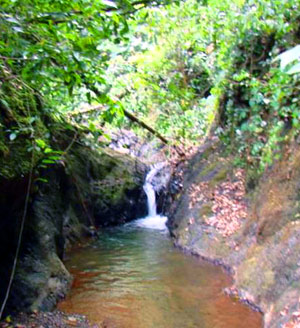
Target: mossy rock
{"type": "Point", "coordinates": [92, 187]}
{"type": "Point", "coordinates": [108, 183]}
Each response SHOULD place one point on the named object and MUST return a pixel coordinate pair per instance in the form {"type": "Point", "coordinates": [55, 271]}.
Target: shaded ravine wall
{"type": "Point", "coordinates": [92, 187]}
{"type": "Point", "coordinates": [263, 254]}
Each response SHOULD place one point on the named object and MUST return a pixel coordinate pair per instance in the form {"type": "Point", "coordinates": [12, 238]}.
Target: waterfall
{"type": "Point", "coordinates": [149, 189]}
{"type": "Point", "coordinates": [153, 220]}
{"type": "Point", "coordinates": [151, 199]}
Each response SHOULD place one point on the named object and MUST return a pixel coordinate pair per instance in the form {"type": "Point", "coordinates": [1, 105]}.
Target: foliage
{"type": "Point", "coordinates": [182, 68]}
{"type": "Point", "coordinates": [261, 100]}
{"type": "Point", "coordinates": [164, 76]}
{"type": "Point", "coordinates": [291, 56]}
{"type": "Point", "coordinates": [53, 54]}
{"type": "Point", "coordinates": [186, 64]}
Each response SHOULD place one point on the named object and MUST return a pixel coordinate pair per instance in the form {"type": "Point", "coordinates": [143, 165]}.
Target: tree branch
{"type": "Point", "coordinates": [127, 114]}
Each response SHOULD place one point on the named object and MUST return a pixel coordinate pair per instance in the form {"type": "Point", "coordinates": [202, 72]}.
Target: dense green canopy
{"type": "Point", "coordinates": [180, 67]}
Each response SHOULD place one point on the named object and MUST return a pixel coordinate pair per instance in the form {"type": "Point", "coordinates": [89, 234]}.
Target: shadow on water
{"type": "Point", "coordinates": [133, 277]}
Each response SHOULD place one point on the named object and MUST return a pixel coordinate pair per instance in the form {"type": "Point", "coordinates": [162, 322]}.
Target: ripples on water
{"type": "Point", "coordinates": [132, 277]}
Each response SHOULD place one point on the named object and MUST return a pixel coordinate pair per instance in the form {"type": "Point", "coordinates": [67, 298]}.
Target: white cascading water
{"type": "Point", "coordinates": [149, 190]}
{"type": "Point", "coordinates": [152, 220]}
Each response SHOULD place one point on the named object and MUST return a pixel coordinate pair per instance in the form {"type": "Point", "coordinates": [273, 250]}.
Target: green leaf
{"type": "Point", "coordinates": [48, 161]}
{"type": "Point", "coordinates": [294, 69]}
{"type": "Point", "coordinates": [109, 3]}
{"type": "Point", "coordinates": [89, 97]}
{"type": "Point", "coordinates": [4, 103]}
{"type": "Point", "coordinates": [108, 137]}
{"type": "Point", "coordinates": [289, 56]}
{"type": "Point", "coordinates": [18, 29]}
{"type": "Point", "coordinates": [92, 127]}
{"type": "Point", "coordinates": [32, 119]}
{"type": "Point", "coordinates": [48, 150]}
{"type": "Point", "coordinates": [54, 158]}
{"type": "Point", "coordinates": [42, 180]}
{"type": "Point", "coordinates": [12, 20]}
{"type": "Point", "coordinates": [41, 143]}
{"type": "Point", "coordinates": [12, 136]}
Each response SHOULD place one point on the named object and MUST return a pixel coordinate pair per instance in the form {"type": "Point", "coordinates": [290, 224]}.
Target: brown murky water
{"type": "Point", "coordinates": [134, 278]}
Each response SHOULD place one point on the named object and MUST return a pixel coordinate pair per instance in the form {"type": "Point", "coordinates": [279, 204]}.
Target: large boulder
{"type": "Point", "coordinates": [88, 189]}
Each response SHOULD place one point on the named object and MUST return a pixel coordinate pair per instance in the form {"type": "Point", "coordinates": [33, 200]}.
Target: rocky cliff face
{"type": "Point", "coordinates": [254, 232]}
{"type": "Point", "coordinates": [90, 188]}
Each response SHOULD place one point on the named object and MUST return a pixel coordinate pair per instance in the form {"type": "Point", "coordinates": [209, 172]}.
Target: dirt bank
{"type": "Point", "coordinates": [252, 230]}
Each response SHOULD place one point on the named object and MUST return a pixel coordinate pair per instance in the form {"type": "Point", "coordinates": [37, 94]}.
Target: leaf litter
{"type": "Point", "coordinates": [228, 203]}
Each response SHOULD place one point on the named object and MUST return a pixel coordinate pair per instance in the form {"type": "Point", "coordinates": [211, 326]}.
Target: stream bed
{"type": "Point", "coordinates": [133, 277]}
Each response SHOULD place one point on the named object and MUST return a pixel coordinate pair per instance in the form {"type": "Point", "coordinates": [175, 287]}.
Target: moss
{"type": "Point", "coordinates": [107, 183]}
{"type": "Point", "coordinates": [21, 115]}
{"type": "Point", "coordinates": [253, 278]}
{"type": "Point", "coordinates": [113, 188]}
{"type": "Point", "coordinates": [220, 176]}
{"type": "Point", "coordinates": [214, 171]}
{"type": "Point", "coordinates": [16, 161]}
{"type": "Point", "coordinates": [269, 279]}
{"type": "Point", "coordinates": [209, 167]}
{"type": "Point", "coordinates": [106, 173]}
{"type": "Point", "coordinates": [206, 210]}
{"type": "Point", "coordinates": [207, 152]}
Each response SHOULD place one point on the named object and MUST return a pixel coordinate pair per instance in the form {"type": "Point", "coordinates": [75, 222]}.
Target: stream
{"type": "Point", "coordinates": [133, 277]}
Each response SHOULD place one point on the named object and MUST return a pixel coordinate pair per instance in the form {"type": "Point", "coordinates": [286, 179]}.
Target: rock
{"type": "Point", "coordinates": [109, 185]}
{"type": "Point", "coordinates": [93, 188]}
{"type": "Point", "coordinates": [127, 142]}
{"type": "Point", "coordinates": [48, 320]}
{"type": "Point", "coordinates": [262, 250]}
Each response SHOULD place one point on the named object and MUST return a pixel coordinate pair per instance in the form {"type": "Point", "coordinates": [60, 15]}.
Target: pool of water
{"type": "Point", "coordinates": [133, 277]}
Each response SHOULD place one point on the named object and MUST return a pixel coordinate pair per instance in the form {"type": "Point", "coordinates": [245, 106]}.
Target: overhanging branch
{"type": "Point", "coordinates": [127, 114]}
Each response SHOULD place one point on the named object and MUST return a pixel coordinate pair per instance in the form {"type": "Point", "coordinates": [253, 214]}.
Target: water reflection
{"type": "Point", "coordinates": [133, 278]}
